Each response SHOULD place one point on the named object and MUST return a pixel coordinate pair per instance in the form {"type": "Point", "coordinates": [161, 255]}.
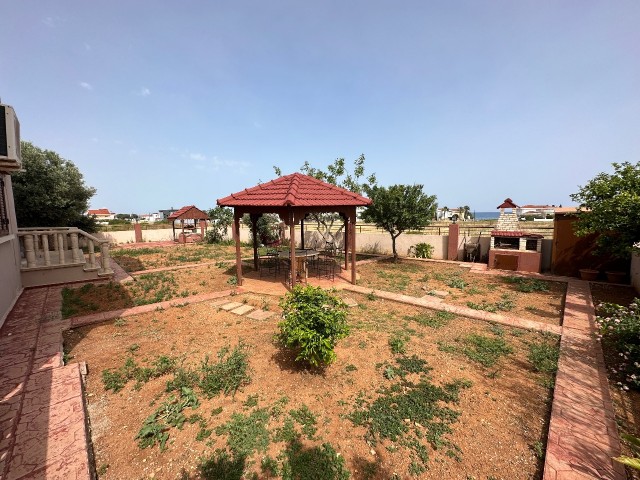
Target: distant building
{"type": "Point", "coordinates": [540, 211]}
{"type": "Point", "coordinates": [102, 214]}
{"type": "Point", "coordinates": [165, 213]}
{"type": "Point", "coordinates": [150, 217]}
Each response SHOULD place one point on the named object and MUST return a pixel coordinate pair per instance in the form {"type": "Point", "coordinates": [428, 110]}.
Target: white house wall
{"type": "Point", "coordinates": [10, 281]}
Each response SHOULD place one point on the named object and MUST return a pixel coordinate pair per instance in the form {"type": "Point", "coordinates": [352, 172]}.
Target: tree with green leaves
{"type": "Point", "coordinates": [399, 208]}
{"type": "Point", "coordinates": [220, 219]}
{"type": "Point", "coordinates": [337, 174]}
{"type": "Point", "coordinates": [50, 192]}
{"type": "Point", "coordinates": [609, 204]}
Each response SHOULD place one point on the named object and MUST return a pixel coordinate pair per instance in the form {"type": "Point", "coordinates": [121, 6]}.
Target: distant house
{"type": "Point", "coordinates": [165, 213]}
{"type": "Point", "coordinates": [102, 214]}
{"type": "Point", "coordinates": [541, 211]}
{"type": "Point", "coordinates": [150, 217]}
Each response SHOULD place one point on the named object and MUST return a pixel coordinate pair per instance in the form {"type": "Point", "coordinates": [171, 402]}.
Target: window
{"type": "Point", "coordinates": [4, 218]}
{"type": "Point", "coordinates": [532, 244]}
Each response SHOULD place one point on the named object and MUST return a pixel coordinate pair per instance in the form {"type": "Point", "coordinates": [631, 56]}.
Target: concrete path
{"type": "Point", "coordinates": [43, 430]}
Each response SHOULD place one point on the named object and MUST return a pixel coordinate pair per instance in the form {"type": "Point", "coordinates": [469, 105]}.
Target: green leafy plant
{"type": "Point", "coordinates": [619, 330]}
{"type": "Point", "coordinates": [247, 433]}
{"type": "Point", "coordinates": [222, 465]}
{"type": "Point", "coordinates": [313, 322]}
{"type": "Point", "coordinates": [307, 419]}
{"type": "Point", "coordinates": [544, 357]}
{"type": "Point", "coordinates": [527, 285]}
{"type": "Point", "coordinates": [400, 408]}
{"type": "Point", "coordinates": [228, 374]}
{"type": "Point", "coordinates": [169, 414]}
{"type": "Point", "coordinates": [424, 250]}
{"type": "Point", "coordinates": [481, 349]}
{"type": "Point", "coordinates": [634, 443]}
{"type": "Point", "coordinates": [116, 379]}
{"type": "Point", "coordinates": [319, 463]}
{"type": "Point", "coordinates": [398, 343]}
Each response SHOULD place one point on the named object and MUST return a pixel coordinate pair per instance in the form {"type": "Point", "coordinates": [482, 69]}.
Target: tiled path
{"type": "Point", "coordinates": [582, 432]}
{"type": "Point", "coordinates": [42, 417]}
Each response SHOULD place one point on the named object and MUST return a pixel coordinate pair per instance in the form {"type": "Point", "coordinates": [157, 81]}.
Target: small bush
{"type": "Point", "coordinates": [313, 322]}
{"type": "Point", "coordinates": [619, 329]}
{"type": "Point", "coordinates": [424, 250]}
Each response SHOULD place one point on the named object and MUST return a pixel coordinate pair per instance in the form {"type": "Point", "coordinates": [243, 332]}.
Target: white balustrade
{"type": "Point", "coordinates": [38, 252]}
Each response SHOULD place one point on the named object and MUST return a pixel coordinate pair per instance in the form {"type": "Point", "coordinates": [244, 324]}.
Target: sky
{"type": "Point", "coordinates": [166, 104]}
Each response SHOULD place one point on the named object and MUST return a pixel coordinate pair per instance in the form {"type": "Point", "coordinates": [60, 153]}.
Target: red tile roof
{"type": "Point", "coordinates": [296, 190]}
{"type": "Point", "coordinates": [100, 211]}
{"type": "Point", "coordinates": [189, 212]}
{"type": "Point", "coordinates": [508, 203]}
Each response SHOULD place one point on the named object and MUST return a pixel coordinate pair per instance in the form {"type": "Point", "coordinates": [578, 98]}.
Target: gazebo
{"type": "Point", "coordinates": [190, 212]}
{"type": "Point", "coordinates": [292, 197]}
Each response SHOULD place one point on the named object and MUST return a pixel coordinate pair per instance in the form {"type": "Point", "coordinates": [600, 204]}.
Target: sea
{"type": "Point", "coordinates": [487, 215]}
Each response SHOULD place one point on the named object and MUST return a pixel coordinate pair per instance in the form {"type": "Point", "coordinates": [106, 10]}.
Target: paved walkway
{"type": "Point", "coordinates": [583, 436]}
{"type": "Point", "coordinates": [43, 421]}
{"type": "Point", "coordinates": [42, 417]}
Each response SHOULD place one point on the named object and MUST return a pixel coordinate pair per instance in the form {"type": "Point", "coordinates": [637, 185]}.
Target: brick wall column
{"type": "Point", "coordinates": [454, 235]}
{"type": "Point", "coordinates": [203, 227]}
{"type": "Point", "coordinates": [137, 228]}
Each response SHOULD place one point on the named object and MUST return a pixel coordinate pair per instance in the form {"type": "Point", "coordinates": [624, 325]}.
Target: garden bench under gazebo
{"type": "Point", "coordinates": [292, 197]}
{"type": "Point", "coordinates": [189, 212]}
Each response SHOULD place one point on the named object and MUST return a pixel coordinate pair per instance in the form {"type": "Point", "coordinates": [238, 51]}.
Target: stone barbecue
{"type": "Point", "coordinates": [511, 247]}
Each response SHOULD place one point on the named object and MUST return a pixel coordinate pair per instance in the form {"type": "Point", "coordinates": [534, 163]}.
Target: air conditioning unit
{"type": "Point", "coordinates": [10, 157]}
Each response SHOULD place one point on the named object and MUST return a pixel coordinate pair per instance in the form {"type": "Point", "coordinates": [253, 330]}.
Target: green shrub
{"type": "Point", "coordinates": [313, 322]}
{"type": "Point", "coordinates": [619, 329]}
{"type": "Point", "coordinates": [424, 250]}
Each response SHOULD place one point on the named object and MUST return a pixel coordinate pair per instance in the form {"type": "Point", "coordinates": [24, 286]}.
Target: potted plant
{"type": "Point", "coordinates": [589, 274]}
{"type": "Point", "coordinates": [616, 277]}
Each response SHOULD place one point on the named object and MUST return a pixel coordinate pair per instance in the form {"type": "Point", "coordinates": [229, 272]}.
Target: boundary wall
{"type": "Point", "coordinates": [366, 242]}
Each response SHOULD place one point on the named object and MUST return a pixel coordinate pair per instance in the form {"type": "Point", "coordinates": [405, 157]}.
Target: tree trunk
{"type": "Point", "coordinates": [393, 248]}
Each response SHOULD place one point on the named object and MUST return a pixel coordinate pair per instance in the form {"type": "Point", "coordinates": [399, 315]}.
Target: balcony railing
{"type": "Point", "coordinates": [48, 248]}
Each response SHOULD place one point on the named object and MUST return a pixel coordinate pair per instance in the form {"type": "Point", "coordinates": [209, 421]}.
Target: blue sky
{"type": "Point", "coordinates": [182, 103]}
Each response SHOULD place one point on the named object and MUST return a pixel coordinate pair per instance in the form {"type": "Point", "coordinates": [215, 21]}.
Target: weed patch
{"type": "Point", "coordinates": [407, 408]}
{"type": "Point", "coordinates": [115, 380]}
{"type": "Point", "coordinates": [246, 433]}
{"type": "Point", "coordinates": [479, 348]}
{"type": "Point", "coordinates": [526, 285]}
{"type": "Point", "coordinates": [434, 320]}
{"type": "Point", "coordinates": [228, 374]}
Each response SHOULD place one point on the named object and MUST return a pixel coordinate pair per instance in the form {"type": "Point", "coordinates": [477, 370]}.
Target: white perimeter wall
{"type": "Point", "coordinates": [365, 242]}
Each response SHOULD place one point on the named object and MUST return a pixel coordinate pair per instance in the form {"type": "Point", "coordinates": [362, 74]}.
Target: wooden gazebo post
{"type": "Point", "coordinates": [236, 238]}
{"type": "Point", "coordinates": [254, 229]}
{"type": "Point", "coordinates": [292, 244]}
{"type": "Point", "coordinates": [352, 238]}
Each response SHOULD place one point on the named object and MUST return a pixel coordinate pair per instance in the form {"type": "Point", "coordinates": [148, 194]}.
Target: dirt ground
{"type": "Point", "coordinates": [463, 287]}
{"type": "Point", "coordinates": [500, 431]}
{"type": "Point", "coordinates": [145, 258]}
{"type": "Point", "coordinates": [626, 403]}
